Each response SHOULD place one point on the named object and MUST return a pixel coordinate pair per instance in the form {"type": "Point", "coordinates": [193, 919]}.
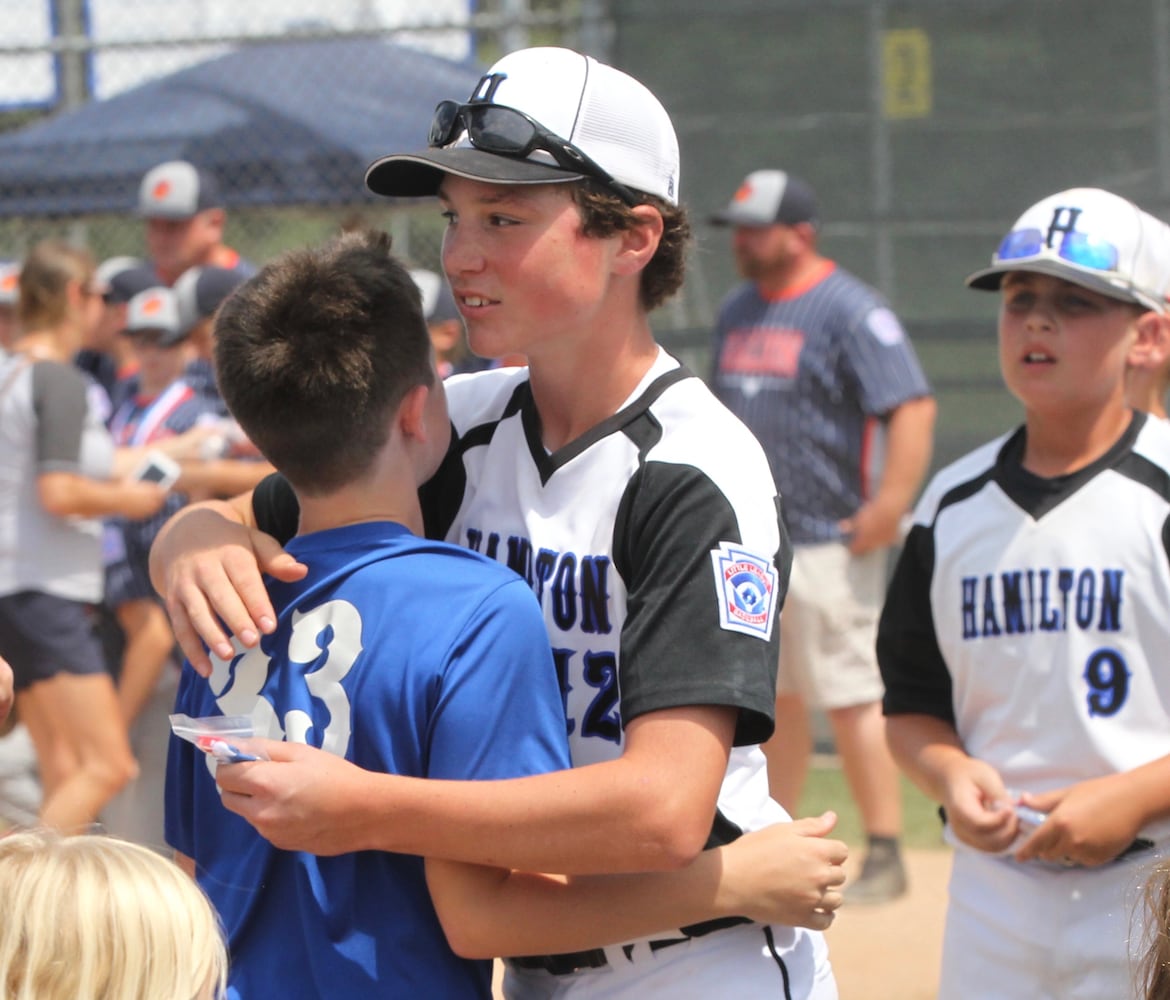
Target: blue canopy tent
{"type": "Point", "coordinates": [282, 123]}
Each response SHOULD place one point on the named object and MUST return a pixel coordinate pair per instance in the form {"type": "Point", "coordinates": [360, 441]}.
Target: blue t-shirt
{"type": "Point", "coordinates": [406, 656]}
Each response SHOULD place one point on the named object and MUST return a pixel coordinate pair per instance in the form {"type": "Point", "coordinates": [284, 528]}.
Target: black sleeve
{"type": "Point", "coordinates": [275, 507]}
{"type": "Point", "coordinates": [674, 651]}
{"type": "Point", "coordinates": [913, 669]}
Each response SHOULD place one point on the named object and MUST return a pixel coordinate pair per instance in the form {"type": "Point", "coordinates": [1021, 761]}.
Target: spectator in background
{"type": "Point", "coordinates": [819, 368]}
{"type": "Point", "coordinates": [163, 406]}
{"type": "Point", "coordinates": [185, 221]}
{"type": "Point", "coordinates": [452, 354]}
{"type": "Point", "coordinates": [229, 464]}
{"type": "Point", "coordinates": [9, 298]}
{"type": "Point", "coordinates": [199, 293]}
{"type": "Point", "coordinates": [163, 409]}
{"type": "Point", "coordinates": [56, 456]}
{"type": "Point", "coordinates": [108, 357]}
{"type": "Point", "coordinates": [95, 918]}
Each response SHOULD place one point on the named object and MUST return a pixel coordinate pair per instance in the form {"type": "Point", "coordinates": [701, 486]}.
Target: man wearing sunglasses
{"type": "Point", "coordinates": [640, 511]}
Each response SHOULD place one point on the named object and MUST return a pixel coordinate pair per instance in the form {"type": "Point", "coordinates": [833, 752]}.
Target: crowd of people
{"type": "Point", "coordinates": [527, 647]}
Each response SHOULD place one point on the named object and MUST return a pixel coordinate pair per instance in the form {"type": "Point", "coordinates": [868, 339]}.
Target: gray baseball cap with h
{"type": "Point", "coordinates": [769, 198]}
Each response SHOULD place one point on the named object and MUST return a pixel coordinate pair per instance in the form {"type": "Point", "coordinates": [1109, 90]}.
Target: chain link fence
{"type": "Point", "coordinates": [287, 103]}
{"type": "Point", "coordinates": [926, 126]}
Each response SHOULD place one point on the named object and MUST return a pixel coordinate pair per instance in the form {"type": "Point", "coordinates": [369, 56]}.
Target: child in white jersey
{"type": "Point", "coordinates": [1021, 637]}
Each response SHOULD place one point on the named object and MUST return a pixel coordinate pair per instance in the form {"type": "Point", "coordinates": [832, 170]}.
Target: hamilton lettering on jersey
{"type": "Point", "coordinates": [1041, 600]}
{"type": "Point", "coordinates": [577, 587]}
{"type": "Point", "coordinates": [762, 350]}
{"type": "Point", "coordinates": [573, 591]}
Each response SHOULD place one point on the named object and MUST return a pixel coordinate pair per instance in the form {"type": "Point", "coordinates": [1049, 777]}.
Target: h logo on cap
{"type": "Point", "coordinates": [1058, 224]}
{"type": "Point", "coordinates": [161, 190]}
{"type": "Point", "coordinates": [486, 89]}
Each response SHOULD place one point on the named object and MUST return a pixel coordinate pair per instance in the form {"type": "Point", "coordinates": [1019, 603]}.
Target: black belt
{"type": "Point", "coordinates": [595, 958]}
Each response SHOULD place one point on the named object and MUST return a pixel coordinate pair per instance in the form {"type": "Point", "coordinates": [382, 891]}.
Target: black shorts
{"type": "Point", "coordinates": [42, 636]}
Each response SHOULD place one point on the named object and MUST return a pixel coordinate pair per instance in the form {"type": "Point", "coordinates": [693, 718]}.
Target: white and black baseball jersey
{"type": "Point", "coordinates": [1032, 613]}
{"type": "Point", "coordinates": [654, 546]}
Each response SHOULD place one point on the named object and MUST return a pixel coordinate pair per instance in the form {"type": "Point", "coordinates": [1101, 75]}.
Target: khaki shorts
{"type": "Point", "coordinates": [829, 626]}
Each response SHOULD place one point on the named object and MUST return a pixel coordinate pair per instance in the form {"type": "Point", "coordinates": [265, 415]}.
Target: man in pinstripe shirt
{"type": "Point", "coordinates": [819, 368]}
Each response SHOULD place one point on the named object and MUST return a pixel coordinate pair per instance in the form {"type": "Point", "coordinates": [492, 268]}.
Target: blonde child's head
{"type": "Point", "coordinates": [1154, 968]}
{"type": "Point", "coordinates": [96, 918]}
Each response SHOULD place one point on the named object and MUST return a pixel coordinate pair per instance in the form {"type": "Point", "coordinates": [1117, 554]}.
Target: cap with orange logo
{"type": "Point", "coordinates": [177, 190]}
{"type": "Point", "coordinates": [155, 310]}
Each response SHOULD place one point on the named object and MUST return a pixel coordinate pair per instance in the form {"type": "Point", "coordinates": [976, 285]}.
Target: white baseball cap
{"type": "Point", "coordinates": [1093, 238]}
{"type": "Point", "coordinates": [769, 198]}
{"type": "Point", "coordinates": [602, 112]}
{"type": "Point", "coordinates": [177, 190]}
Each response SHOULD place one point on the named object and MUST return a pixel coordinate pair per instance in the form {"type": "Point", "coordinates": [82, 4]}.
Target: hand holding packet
{"type": "Point", "coordinates": [227, 738]}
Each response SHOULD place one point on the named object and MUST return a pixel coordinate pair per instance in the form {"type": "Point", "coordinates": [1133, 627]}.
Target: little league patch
{"type": "Point", "coordinates": [746, 585]}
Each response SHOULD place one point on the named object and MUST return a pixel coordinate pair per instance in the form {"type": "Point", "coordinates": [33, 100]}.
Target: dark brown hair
{"type": "Point", "coordinates": [604, 214]}
{"type": "Point", "coordinates": [315, 353]}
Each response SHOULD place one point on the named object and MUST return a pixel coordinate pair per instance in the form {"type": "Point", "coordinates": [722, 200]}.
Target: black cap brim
{"type": "Point", "coordinates": [418, 175]}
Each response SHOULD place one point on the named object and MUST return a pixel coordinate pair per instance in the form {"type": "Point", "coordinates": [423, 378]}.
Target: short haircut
{"type": "Point", "coordinates": [604, 214]}
{"type": "Point", "coordinates": [314, 354]}
{"type": "Point", "coordinates": [92, 917]}
{"type": "Point", "coordinates": [44, 275]}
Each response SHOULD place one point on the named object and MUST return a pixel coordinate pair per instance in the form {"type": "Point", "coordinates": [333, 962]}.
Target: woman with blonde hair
{"type": "Point", "coordinates": [56, 463]}
{"type": "Point", "coordinates": [96, 918]}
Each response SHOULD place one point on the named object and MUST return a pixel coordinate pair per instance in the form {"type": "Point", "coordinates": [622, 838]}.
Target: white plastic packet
{"type": "Point", "coordinates": [227, 738]}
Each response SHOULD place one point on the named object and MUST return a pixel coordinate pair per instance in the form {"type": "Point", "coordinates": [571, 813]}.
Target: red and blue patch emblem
{"type": "Point", "coordinates": [746, 585]}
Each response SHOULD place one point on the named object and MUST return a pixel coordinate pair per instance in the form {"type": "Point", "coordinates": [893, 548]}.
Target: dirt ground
{"type": "Point", "coordinates": [891, 951]}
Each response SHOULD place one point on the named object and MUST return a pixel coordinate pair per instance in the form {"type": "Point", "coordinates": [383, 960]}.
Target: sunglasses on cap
{"type": "Point", "coordinates": [1076, 248]}
{"type": "Point", "coordinates": [505, 131]}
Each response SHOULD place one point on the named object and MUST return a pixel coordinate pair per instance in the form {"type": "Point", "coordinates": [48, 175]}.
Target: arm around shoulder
{"type": "Point", "coordinates": [206, 564]}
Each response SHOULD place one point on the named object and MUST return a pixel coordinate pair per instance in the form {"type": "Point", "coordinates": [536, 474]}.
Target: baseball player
{"type": "Point", "coordinates": [641, 513]}
{"type": "Point", "coordinates": [1022, 635]}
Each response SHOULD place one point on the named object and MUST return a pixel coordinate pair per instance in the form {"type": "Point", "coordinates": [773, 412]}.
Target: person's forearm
{"type": "Point", "coordinates": [909, 443]}
{"type": "Point", "coordinates": [586, 820]}
{"type": "Point", "coordinates": [518, 913]}
{"type": "Point", "coordinates": [68, 494]}
{"type": "Point", "coordinates": [221, 477]}
{"type": "Point", "coordinates": [1149, 785]}
{"type": "Point", "coordinates": [925, 748]}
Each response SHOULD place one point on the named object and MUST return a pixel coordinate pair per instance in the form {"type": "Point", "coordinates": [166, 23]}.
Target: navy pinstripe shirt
{"type": "Point", "coordinates": [812, 374]}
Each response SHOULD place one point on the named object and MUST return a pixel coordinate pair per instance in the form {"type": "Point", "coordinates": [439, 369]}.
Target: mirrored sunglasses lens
{"type": "Point", "coordinates": [1021, 243]}
{"type": "Point", "coordinates": [1077, 248]}
{"type": "Point", "coordinates": [500, 130]}
{"type": "Point", "coordinates": [443, 123]}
